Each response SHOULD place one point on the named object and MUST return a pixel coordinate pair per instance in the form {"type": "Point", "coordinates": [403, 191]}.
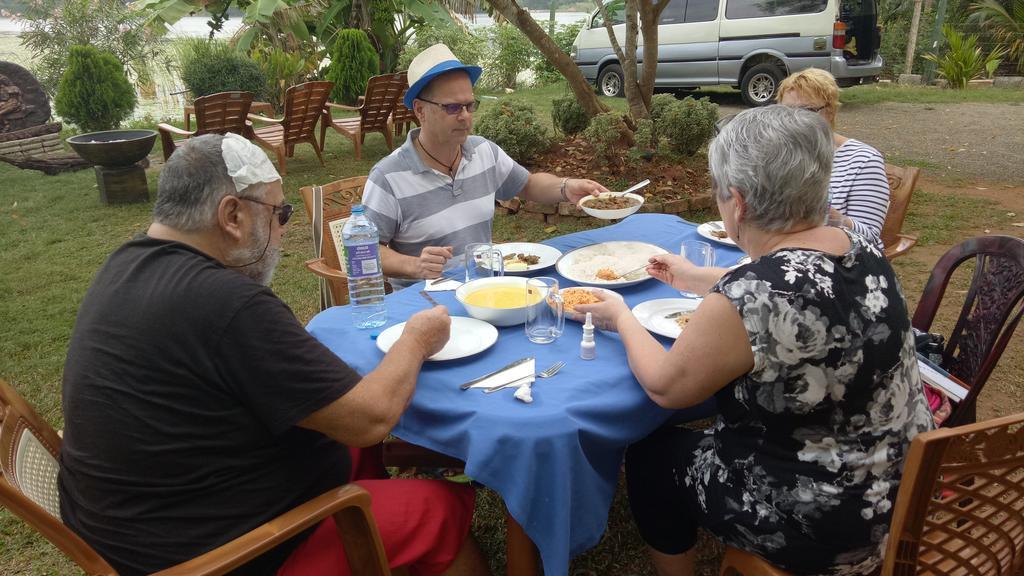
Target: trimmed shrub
{"type": "Point", "coordinates": [210, 66]}
{"type": "Point", "coordinates": [568, 115]}
{"type": "Point", "coordinates": [646, 139]}
{"type": "Point", "coordinates": [604, 133]}
{"type": "Point", "coordinates": [353, 62]}
{"type": "Point", "coordinates": [94, 94]}
{"type": "Point", "coordinates": [515, 127]}
{"type": "Point", "coordinates": [661, 103]}
{"type": "Point", "coordinates": [689, 124]}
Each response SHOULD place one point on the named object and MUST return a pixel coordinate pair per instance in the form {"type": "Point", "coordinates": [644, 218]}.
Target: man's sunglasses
{"type": "Point", "coordinates": [284, 211]}
{"type": "Point", "coordinates": [453, 109]}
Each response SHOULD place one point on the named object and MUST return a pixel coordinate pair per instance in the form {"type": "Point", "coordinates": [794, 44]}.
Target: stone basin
{"type": "Point", "coordinates": [114, 148]}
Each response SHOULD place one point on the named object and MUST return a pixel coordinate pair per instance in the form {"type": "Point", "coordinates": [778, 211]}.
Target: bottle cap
{"type": "Point", "coordinates": [589, 324]}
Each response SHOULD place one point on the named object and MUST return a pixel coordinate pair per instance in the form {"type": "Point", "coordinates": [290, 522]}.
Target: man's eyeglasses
{"type": "Point", "coordinates": [453, 109]}
{"type": "Point", "coordinates": [284, 211]}
{"type": "Point", "coordinates": [814, 109]}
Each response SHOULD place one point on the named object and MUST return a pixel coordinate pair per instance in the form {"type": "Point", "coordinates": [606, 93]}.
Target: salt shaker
{"type": "Point", "coordinates": [587, 348]}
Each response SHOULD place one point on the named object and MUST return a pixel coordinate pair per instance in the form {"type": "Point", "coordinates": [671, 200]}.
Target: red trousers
{"type": "Point", "coordinates": [422, 523]}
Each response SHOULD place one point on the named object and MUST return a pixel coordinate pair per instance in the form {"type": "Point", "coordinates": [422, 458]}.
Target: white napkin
{"type": "Point", "coordinates": [524, 371]}
{"type": "Point", "coordinates": [450, 284]}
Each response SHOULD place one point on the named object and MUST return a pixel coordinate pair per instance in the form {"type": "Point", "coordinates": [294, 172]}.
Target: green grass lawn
{"type": "Point", "coordinates": [55, 234]}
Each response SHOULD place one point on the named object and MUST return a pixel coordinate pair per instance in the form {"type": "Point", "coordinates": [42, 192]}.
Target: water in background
{"type": "Point", "coordinates": [168, 101]}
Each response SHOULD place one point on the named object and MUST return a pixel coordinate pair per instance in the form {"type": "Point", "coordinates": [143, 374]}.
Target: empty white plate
{"type": "Point", "coordinates": [469, 336]}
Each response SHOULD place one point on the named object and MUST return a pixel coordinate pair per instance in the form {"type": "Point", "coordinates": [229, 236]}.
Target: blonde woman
{"type": "Point", "coordinates": [858, 187]}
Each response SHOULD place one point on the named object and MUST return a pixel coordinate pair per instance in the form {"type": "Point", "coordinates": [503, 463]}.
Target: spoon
{"type": "Point", "coordinates": [634, 187]}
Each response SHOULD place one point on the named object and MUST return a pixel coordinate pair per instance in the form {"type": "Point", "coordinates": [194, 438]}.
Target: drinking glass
{"type": "Point", "coordinates": [483, 260]}
{"type": "Point", "coordinates": [545, 318]}
{"type": "Point", "coordinates": [701, 254]}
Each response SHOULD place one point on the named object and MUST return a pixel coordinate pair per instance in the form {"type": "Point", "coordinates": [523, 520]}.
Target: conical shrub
{"type": "Point", "coordinates": [94, 94]}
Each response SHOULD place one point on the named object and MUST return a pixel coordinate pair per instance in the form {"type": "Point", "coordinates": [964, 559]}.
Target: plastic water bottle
{"type": "Point", "coordinates": [365, 277]}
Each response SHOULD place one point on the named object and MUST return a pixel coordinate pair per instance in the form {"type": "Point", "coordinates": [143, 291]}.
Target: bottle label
{"type": "Point", "coordinates": [361, 260]}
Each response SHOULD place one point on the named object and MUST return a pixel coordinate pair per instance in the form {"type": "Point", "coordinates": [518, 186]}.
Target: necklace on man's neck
{"type": "Point", "coordinates": [451, 167]}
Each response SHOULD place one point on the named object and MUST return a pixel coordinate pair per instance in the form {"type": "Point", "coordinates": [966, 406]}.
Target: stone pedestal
{"type": "Point", "coordinates": [910, 79]}
{"type": "Point", "coordinates": [123, 185]}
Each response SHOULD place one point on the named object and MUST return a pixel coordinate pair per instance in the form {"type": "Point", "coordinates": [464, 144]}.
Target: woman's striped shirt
{"type": "Point", "coordinates": [859, 188]}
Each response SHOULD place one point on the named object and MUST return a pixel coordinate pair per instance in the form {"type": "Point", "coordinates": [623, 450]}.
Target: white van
{"type": "Point", "coordinates": [747, 44]}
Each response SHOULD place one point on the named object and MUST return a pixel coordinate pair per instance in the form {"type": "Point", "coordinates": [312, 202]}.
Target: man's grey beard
{"type": "Point", "coordinates": [262, 270]}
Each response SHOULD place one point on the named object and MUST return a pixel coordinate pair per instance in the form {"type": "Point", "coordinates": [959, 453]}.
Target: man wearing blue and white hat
{"type": "Point", "coordinates": [435, 194]}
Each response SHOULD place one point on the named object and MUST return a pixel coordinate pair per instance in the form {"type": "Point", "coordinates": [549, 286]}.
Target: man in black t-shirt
{"type": "Point", "coordinates": [197, 407]}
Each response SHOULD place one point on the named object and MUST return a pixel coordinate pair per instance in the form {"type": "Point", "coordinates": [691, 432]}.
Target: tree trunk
{"type": "Point", "coordinates": [638, 90]}
{"type": "Point", "coordinates": [522, 20]}
{"type": "Point", "coordinates": [650, 15]}
{"type": "Point", "coordinates": [915, 23]}
{"type": "Point", "coordinates": [551, 18]}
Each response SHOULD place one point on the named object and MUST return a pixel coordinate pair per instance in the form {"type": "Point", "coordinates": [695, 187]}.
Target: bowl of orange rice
{"type": "Point", "coordinates": [578, 295]}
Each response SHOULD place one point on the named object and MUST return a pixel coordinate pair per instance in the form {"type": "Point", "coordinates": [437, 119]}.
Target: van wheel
{"type": "Point", "coordinates": [760, 84]}
{"type": "Point", "coordinates": [611, 81]}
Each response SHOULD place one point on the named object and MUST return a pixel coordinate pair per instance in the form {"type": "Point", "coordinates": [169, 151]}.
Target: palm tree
{"type": "Point", "coordinates": [1005, 23]}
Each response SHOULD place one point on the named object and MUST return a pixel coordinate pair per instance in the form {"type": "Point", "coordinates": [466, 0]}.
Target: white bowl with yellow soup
{"type": "Point", "coordinates": [501, 300]}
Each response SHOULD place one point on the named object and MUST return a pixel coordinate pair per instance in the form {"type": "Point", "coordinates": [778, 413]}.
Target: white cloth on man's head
{"type": "Point", "coordinates": [247, 164]}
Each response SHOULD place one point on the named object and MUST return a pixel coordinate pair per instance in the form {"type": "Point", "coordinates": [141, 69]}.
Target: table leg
{"type": "Point", "coordinates": [521, 554]}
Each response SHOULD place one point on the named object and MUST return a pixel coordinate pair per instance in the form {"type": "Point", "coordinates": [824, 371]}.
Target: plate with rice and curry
{"type": "Point", "coordinates": [579, 295]}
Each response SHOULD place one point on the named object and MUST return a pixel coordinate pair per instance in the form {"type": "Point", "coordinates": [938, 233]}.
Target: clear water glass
{"type": "Point", "coordinates": [700, 254]}
{"type": "Point", "coordinates": [545, 319]}
{"type": "Point", "coordinates": [483, 260]}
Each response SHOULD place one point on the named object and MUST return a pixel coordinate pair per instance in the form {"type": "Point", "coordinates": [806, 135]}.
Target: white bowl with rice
{"type": "Point", "coordinates": [583, 265]}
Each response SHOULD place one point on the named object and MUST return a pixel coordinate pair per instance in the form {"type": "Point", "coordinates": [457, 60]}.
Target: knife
{"type": "Point", "coordinates": [469, 384]}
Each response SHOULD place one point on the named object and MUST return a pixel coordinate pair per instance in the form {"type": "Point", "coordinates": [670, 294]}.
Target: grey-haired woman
{"type": "Point", "coordinates": [809, 354]}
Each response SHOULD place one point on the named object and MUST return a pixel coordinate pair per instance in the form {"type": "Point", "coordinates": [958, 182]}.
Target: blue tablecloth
{"type": "Point", "coordinates": [555, 462]}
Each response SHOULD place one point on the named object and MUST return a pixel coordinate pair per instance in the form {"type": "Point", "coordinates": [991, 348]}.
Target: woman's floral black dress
{"type": "Point", "coordinates": [804, 462]}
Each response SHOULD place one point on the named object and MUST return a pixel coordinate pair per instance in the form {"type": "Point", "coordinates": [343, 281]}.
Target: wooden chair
{"type": "Point", "coordinates": [382, 93]}
{"type": "Point", "coordinates": [902, 181]}
{"type": "Point", "coordinates": [403, 118]}
{"type": "Point", "coordinates": [959, 510]}
{"type": "Point", "coordinates": [990, 313]}
{"type": "Point", "coordinates": [29, 450]}
{"type": "Point", "coordinates": [215, 114]}
{"type": "Point", "coordinates": [303, 107]}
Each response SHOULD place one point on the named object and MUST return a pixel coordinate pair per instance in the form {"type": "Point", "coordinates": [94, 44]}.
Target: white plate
{"type": "Point", "coordinates": [640, 251]}
{"type": "Point", "coordinates": [651, 314]}
{"type": "Point", "coordinates": [469, 336]}
{"type": "Point", "coordinates": [607, 294]}
{"type": "Point", "coordinates": [611, 214]}
{"type": "Point", "coordinates": [548, 255]}
{"type": "Point", "coordinates": [705, 231]}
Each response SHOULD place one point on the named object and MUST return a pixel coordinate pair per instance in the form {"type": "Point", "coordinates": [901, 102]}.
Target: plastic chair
{"type": "Point", "coordinates": [902, 181]}
{"type": "Point", "coordinates": [29, 450]}
{"type": "Point", "coordinates": [990, 313]}
{"type": "Point", "coordinates": [303, 107]}
{"type": "Point", "coordinates": [403, 118]}
{"type": "Point", "coordinates": [215, 114]}
{"type": "Point", "coordinates": [375, 108]}
{"type": "Point", "coordinates": [959, 510]}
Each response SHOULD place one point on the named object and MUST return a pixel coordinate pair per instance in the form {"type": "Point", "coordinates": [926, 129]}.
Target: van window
{"type": "Point", "coordinates": [739, 9]}
{"type": "Point", "coordinates": [617, 12]}
{"type": "Point", "coordinates": [701, 10]}
{"type": "Point", "coordinates": [673, 13]}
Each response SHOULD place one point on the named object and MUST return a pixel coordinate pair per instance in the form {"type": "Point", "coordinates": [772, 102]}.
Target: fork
{"type": "Point", "coordinates": [429, 298]}
{"type": "Point", "coordinates": [551, 371]}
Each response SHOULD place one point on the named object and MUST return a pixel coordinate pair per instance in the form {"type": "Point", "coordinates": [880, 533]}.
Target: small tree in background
{"type": "Point", "coordinates": [94, 93]}
{"type": "Point", "coordinates": [210, 66]}
{"type": "Point", "coordinates": [353, 62]}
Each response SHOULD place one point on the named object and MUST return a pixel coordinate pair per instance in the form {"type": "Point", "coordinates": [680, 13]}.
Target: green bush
{"type": "Point", "coordinates": [283, 69]}
{"type": "Point", "coordinates": [646, 137]}
{"type": "Point", "coordinates": [511, 53]}
{"type": "Point", "coordinates": [353, 62]}
{"type": "Point", "coordinates": [660, 104]}
{"type": "Point", "coordinates": [564, 36]}
{"type": "Point", "coordinates": [94, 93]}
{"type": "Point", "coordinates": [689, 124]}
{"type": "Point", "coordinates": [515, 127]}
{"type": "Point", "coordinates": [963, 60]}
{"type": "Point", "coordinates": [54, 26]}
{"type": "Point", "coordinates": [210, 66]}
{"type": "Point", "coordinates": [467, 47]}
{"type": "Point", "coordinates": [568, 115]}
{"type": "Point", "coordinates": [604, 133]}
